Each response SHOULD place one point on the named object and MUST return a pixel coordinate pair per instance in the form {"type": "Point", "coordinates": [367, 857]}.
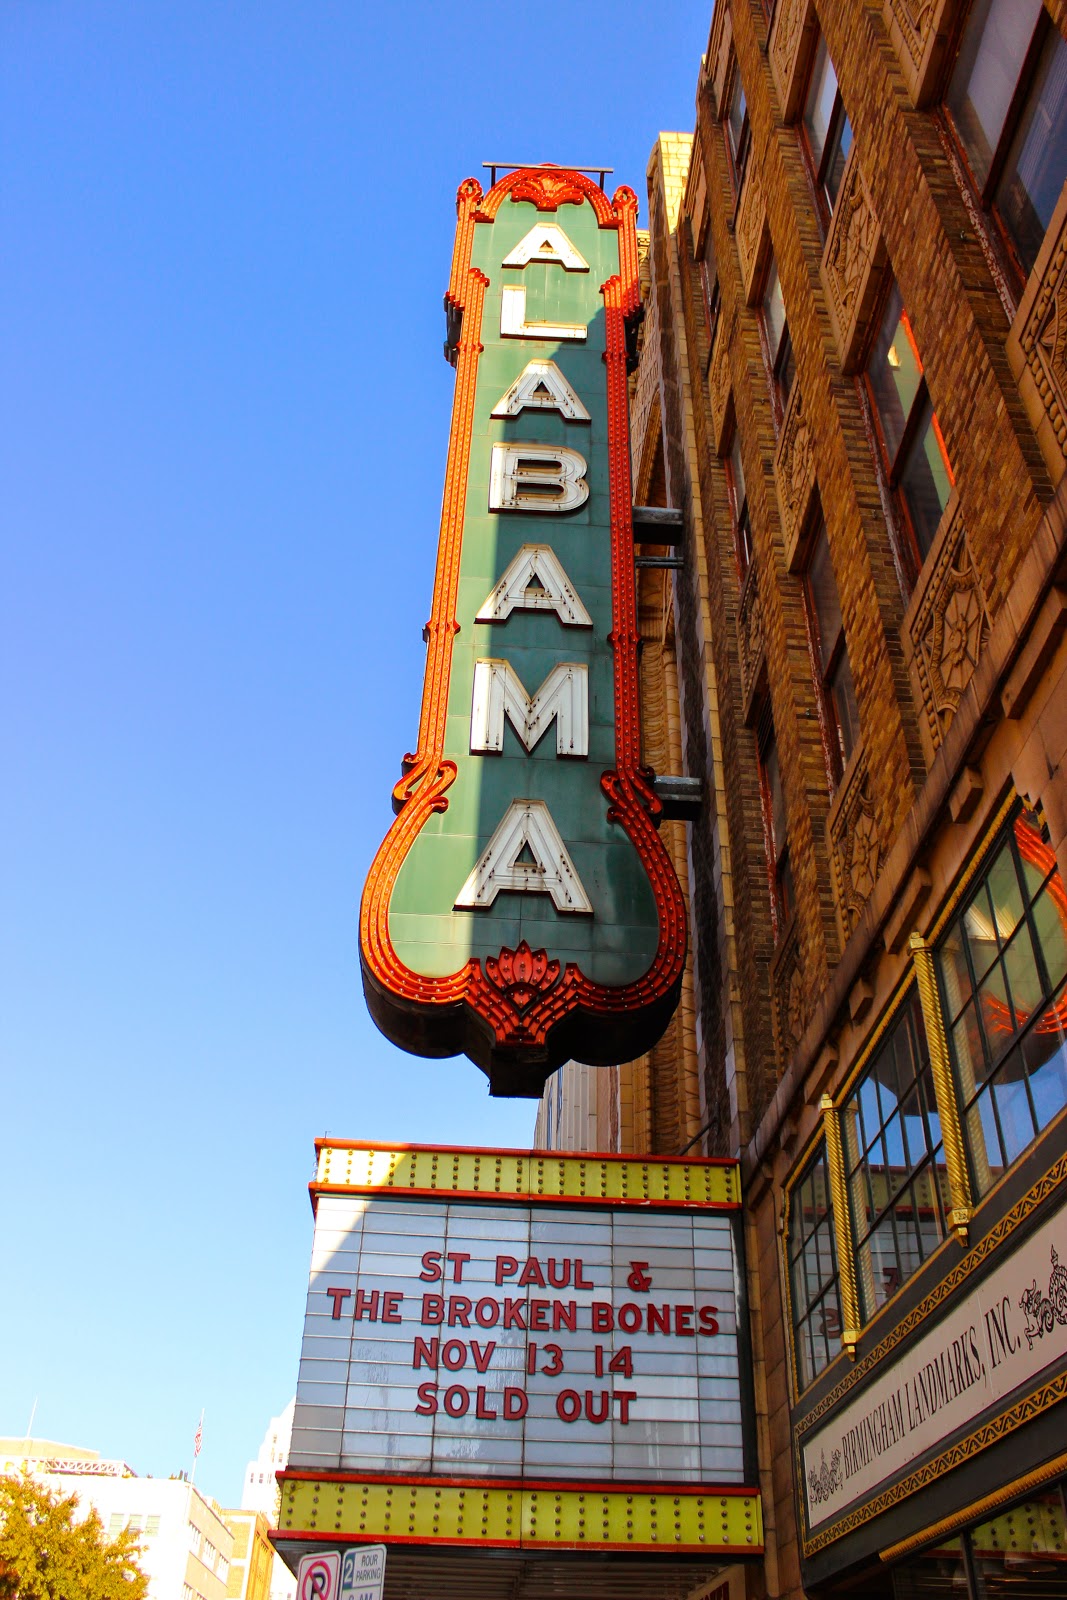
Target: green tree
{"type": "Point", "coordinates": [48, 1552]}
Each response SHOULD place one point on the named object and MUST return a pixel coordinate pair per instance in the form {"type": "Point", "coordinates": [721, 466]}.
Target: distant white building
{"type": "Point", "coordinates": [576, 1101]}
{"type": "Point", "coordinates": [260, 1492]}
{"type": "Point", "coordinates": [186, 1547]}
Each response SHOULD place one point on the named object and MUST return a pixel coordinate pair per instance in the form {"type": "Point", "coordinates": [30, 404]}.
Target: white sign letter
{"type": "Point", "coordinates": [527, 826]}
{"type": "Point", "coordinates": [542, 386]}
{"type": "Point", "coordinates": [546, 241]}
{"type": "Point", "coordinates": [513, 323]}
{"type": "Point", "coordinates": [499, 693]}
{"type": "Point", "coordinates": [537, 477]}
{"type": "Point", "coordinates": [535, 581]}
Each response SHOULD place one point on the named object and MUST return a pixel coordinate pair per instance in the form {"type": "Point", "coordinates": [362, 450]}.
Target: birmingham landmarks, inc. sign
{"type": "Point", "coordinates": [522, 907]}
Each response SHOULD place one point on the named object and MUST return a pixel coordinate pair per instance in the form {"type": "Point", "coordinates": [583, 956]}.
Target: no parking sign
{"type": "Point", "coordinates": [319, 1577]}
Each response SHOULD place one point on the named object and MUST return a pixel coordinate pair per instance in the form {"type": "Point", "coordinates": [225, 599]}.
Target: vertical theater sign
{"type": "Point", "coordinates": [522, 907]}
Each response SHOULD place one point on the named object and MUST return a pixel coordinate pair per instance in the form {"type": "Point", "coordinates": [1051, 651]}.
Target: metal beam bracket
{"type": "Point", "coordinates": [663, 563]}
{"type": "Point", "coordinates": [682, 798]}
{"type": "Point", "coordinates": [657, 525]}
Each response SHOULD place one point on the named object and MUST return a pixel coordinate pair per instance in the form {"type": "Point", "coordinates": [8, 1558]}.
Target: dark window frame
{"type": "Point", "coordinates": [820, 1299]}
{"type": "Point", "coordinates": [708, 272]}
{"type": "Point", "coordinates": [777, 353]}
{"type": "Point", "coordinates": [740, 517]}
{"type": "Point", "coordinates": [874, 1120]}
{"type": "Point", "coordinates": [1005, 248]}
{"type": "Point", "coordinates": [739, 148]}
{"type": "Point", "coordinates": [975, 1014]}
{"type": "Point", "coordinates": [837, 751]}
{"type": "Point", "coordinates": [821, 165]}
{"type": "Point", "coordinates": [779, 864]}
{"type": "Point", "coordinates": [895, 463]}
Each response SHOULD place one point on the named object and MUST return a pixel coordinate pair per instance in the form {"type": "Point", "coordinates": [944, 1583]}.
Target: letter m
{"type": "Point", "coordinates": [499, 693]}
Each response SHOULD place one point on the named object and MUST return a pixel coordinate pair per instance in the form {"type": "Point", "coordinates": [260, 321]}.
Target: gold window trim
{"type": "Point", "coordinates": [921, 972]}
{"type": "Point", "coordinates": [817, 1138]}
{"type": "Point", "coordinates": [978, 1509]}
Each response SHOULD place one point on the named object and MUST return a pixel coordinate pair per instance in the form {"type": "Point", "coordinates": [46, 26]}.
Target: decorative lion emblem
{"type": "Point", "coordinates": [1043, 1311]}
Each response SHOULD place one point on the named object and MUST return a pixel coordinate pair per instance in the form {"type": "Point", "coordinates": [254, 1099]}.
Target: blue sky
{"type": "Point", "coordinates": [225, 231]}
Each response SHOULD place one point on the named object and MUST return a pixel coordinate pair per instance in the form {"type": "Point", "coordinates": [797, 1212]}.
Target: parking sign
{"type": "Point", "coordinates": [363, 1573]}
{"type": "Point", "coordinates": [319, 1577]}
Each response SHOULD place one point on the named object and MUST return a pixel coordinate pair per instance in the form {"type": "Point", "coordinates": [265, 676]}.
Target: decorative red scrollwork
{"type": "Point", "coordinates": [548, 190]}
{"type": "Point", "coordinates": [522, 974]}
{"type": "Point", "coordinates": [523, 1012]}
{"type": "Point", "coordinates": [549, 187]}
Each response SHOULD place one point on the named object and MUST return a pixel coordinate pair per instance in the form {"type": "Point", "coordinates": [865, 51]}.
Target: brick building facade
{"type": "Point", "coordinates": [853, 387]}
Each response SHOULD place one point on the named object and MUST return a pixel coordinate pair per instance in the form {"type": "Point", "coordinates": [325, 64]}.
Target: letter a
{"type": "Point", "coordinates": [527, 826]}
{"type": "Point", "coordinates": [499, 692]}
{"type": "Point", "coordinates": [546, 241]}
{"type": "Point", "coordinates": [542, 386]}
{"type": "Point", "coordinates": [535, 581]}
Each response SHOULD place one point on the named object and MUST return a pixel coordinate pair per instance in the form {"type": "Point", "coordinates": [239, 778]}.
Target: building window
{"type": "Point", "coordinates": [735, 481]}
{"type": "Point", "coordinates": [709, 282]}
{"type": "Point", "coordinates": [151, 1527]}
{"type": "Point", "coordinates": [115, 1524]}
{"type": "Point", "coordinates": [837, 697]}
{"type": "Point", "coordinates": [895, 1162]}
{"type": "Point", "coordinates": [1007, 104]}
{"type": "Point", "coordinates": [1019, 1548]}
{"type": "Point", "coordinates": [827, 131]}
{"type": "Point", "coordinates": [738, 133]}
{"type": "Point", "coordinates": [909, 436]}
{"type": "Point", "coordinates": [779, 871]}
{"type": "Point", "coordinates": [1002, 966]}
{"type": "Point", "coordinates": [813, 1272]}
{"type": "Point", "coordinates": [779, 346]}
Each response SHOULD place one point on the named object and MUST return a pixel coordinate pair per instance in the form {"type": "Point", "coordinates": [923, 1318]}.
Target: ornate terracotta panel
{"type": "Point", "coordinates": [522, 907]}
{"type": "Point", "coordinates": [794, 475]}
{"type": "Point", "coordinates": [753, 240]}
{"type": "Point", "coordinates": [946, 628]}
{"type": "Point", "coordinates": [792, 31]}
{"type": "Point", "coordinates": [1037, 344]}
{"type": "Point", "coordinates": [855, 845]}
{"type": "Point", "coordinates": [717, 61]}
{"type": "Point", "coordinates": [750, 640]}
{"type": "Point", "coordinates": [852, 264]}
{"type": "Point", "coordinates": [790, 996]}
{"type": "Point", "coordinates": [921, 30]}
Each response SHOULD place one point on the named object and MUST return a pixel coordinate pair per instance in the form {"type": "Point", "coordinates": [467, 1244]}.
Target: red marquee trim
{"type": "Point", "coordinates": [519, 1016]}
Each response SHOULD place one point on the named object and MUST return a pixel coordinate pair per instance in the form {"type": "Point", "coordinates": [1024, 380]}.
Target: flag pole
{"type": "Point", "coordinates": [198, 1440]}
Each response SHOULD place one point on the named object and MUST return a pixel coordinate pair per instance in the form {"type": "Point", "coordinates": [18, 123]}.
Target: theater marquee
{"type": "Point", "coordinates": [522, 907]}
{"type": "Point", "coordinates": [523, 1351]}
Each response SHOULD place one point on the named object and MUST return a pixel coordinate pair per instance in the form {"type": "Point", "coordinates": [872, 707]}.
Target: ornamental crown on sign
{"type": "Point", "coordinates": [522, 907]}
